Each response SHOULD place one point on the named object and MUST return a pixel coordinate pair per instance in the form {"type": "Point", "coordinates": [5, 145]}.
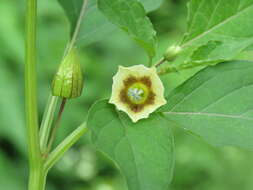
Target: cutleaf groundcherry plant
{"type": "Point", "coordinates": [133, 126]}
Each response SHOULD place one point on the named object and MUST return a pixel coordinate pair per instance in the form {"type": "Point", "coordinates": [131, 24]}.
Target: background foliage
{"type": "Point", "coordinates": [198, 165]}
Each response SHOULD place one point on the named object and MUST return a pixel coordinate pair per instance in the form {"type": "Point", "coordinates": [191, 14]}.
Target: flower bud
{"type": "Point", "coordinates": [172, 52]}
{"type": "Point", "coordinates": [68, 81]}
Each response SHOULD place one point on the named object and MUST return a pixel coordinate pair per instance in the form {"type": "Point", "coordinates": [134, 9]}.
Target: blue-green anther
{"type": "Point", "coordinates": [68, 81]}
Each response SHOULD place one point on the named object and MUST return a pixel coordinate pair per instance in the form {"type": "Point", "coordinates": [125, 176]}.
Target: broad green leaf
{"type": "Point", "coordinates": [94, 26]}
{"type": "Point", "coordinates": [216, 104]}
{"type": "Point", "coordinates": [143, 151]}
{"type": "Point", "coordinates": [229, 22]}
{"type": "Point", "coordinates": [131, 17]}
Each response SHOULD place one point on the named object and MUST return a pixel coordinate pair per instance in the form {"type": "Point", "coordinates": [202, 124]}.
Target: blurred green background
{"type": "Point", "coordinates": [199, 166]}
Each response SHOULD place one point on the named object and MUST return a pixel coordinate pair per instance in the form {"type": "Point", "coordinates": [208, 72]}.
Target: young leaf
{"type": "Point", "coordinates": [143, 151]}
{"type": "Point", "coordinates": [229, 22]}
{"type": "Point", "coordinates": [131, 17]}
{"type": "Point", "coordinates": [94, 26]}
{"type": "Point", "coordinates": [216, 104]}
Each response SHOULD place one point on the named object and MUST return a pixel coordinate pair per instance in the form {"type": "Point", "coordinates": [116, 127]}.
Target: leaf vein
{"type": "Point", "coordinates": [210, 115]}
{"type": "Point", "coordinates": [224, 96]}
{"type": "Point", "coordinates": [189, 95]}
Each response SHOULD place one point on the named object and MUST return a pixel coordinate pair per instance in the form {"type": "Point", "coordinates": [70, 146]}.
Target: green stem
{"type": "Point", "coordinates": [47, 122]}
{"type": "Point", "coordinates": [35, 162]}
{"type": "Point", "coordinates": [160, 62]}
{"type": "Point", "coordinates": [37, 180]}
{"type": "Point", "coordinates": [59, 151]}
{"type": "Point", "coordinates": [175, 68]}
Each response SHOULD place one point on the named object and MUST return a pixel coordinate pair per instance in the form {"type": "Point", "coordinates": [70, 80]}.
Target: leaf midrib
{"type": "Point", "coordinates": [216, 26]}
{"type": "Point", "coordinates": [210, 115]}
{"type": "Point", "coordinates": [132, 150]}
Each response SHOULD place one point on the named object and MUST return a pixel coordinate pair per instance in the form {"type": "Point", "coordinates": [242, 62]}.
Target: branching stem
{"type": "Point", "coordinates": [60, 150]}
{"type": "Point", "coordinates": [38, 167]}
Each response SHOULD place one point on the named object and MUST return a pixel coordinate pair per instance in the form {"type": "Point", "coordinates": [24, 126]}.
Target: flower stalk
{"type": "Point", "coordinates": [170, 55]}
{"type": "Point", "coordinates": [57, 124]}
{"type": "Point", "coordinates": [47, 122]}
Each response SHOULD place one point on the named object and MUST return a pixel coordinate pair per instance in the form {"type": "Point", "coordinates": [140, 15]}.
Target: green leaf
{"type": "Point", "coordinates": [229, 22]}
{"type": "Point", "coordinates": [143, 151]}
{"type": "Point", "coordinates": [72, 10]}
{"type": "Point", "coordinates": [94, 26]}
{"type": "Point", "coordinates": [131, 17]}
{"type": "Point", "coordinates": [205, 52]}
{"type": "Point", "coordinates": [216, 104]}
{"type": "Point", "coordinates": [249, 48]}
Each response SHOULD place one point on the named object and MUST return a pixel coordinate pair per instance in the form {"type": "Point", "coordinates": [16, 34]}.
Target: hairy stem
{"type": "Point", "coordinates": [35, 162]}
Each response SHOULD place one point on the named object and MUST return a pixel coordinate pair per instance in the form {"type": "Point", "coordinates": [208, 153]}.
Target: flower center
{"type": "Point", "coordinates": [137, 93]}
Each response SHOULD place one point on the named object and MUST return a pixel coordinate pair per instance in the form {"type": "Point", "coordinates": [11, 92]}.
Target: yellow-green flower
{"type": "Point", "coordinates": [138, 91]}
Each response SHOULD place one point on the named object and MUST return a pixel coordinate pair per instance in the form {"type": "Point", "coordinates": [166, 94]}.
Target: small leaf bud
{"type": "Point", "coordinates": [68, 81]}
{"type": "Point", "coordinates": [172, 52]}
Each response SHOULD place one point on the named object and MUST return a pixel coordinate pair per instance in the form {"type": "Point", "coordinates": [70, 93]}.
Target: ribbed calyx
{"type": "Point", "coordinates": [68, 81]}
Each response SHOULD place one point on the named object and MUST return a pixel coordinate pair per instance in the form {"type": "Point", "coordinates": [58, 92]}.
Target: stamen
{"type": "Point", "coordinates": [135, 94]}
